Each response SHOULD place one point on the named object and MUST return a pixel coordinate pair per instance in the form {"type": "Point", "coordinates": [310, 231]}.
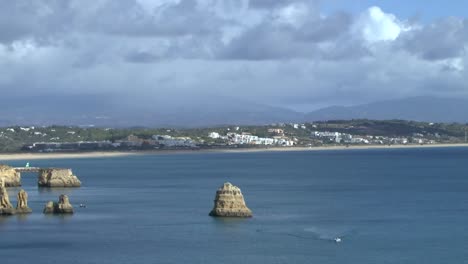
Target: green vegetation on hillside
{"type": "Point", "coordinates": [12, 139]}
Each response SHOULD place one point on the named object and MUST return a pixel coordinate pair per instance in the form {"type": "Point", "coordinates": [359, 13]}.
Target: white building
{"type": "Point", "coordinates": [214, 135]}
{"type": "Point", "coordinates": [255, 140]}
{"type": "Point", "coordinates": [332, 136]}
{"type": "Point", "coordinates": [169, 141]}
{"type": "Point", "coordinates": [359, 141]}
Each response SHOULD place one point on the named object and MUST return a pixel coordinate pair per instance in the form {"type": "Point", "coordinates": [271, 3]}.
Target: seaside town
{"type": "Point", "coordinates": [278, 135]}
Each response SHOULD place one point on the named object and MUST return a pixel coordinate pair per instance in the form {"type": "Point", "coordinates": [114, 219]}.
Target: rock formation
{"type": "Point", "coordinates": [5, 206]}
{"type": "Point", "coordinates": [22, 203]}
{"type": "Point", "coordinates": [10, 176]}
{"type": "Point", "coordinates": [50, 207]}
{"type": "Point", "coordinates": [229, 202]}
{"type": "Point", "coordinates": [63, 206]}
{"type": "Point", "coordinates": [57, 178]}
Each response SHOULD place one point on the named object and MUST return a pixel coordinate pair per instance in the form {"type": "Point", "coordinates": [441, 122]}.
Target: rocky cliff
{"type": "Point", "coordinates": [10, 176]}
{"type": "Point", "coordinates": [229, 202]}
{"type": "Point", "coordinates": [57, 178]}
{"type": "Point", "coordinates": [5, 206]}
{"type": "Point", "coordinates": [63, 206]}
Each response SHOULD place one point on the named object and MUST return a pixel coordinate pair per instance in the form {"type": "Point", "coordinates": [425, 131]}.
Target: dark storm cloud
{"type": "Point", "coordinates": [44, 19]}
{"type": "Point", "coordinates": [276, 52]}
{"type": "Point", "coordinates": [269, 3]}
{"type": "Point", "coordinates": [141, 57]}
{"type": "Point", "coordinates": [324, 29]}
{"type": "Point", "coordinates": [129, 18]}
{"type": "Point", "coordinates": [37, 19]}
{"type": "Point", "coordinates": [267, 42]}
{"type": "Point", "coordinates": [326, 38]}
{"type": "Point", "coordinates": [443, 39]}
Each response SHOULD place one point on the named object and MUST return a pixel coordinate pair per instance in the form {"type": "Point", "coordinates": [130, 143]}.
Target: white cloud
{"type": "Point", "coordinates": [294, 14]}
{"type": "Point", "coordinates": [455, 64]}
{"type": "Point", "coordinates": [151, 5]}
{"type": "Point", "coordinates": [375, 25]}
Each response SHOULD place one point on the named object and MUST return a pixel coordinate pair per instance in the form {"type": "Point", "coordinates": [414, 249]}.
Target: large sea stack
{"type": "Point", "coordinates": [10, 177]}
{"type": "Point", "coordinates": [5, 206]}
{"type": "Point", "coordinates": [22, 203]}
{"type": "Point", "coordinates": [58, 178]}
{"type": "Point", "coordinates": [229, 202]}
{"type": "Point", "coordinates": [63, 206]}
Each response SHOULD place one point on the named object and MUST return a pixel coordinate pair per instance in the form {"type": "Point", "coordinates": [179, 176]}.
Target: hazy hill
{"type": "Point", "coordinates": [427, 109]}
{"type": "Point", "coordinates": [104, 110]}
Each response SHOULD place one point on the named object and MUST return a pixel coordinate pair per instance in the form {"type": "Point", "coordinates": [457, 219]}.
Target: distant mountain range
{"type": "Point", "coordinates": [429, 109]}
{"type": "Point", "coordinates": [103, 110]}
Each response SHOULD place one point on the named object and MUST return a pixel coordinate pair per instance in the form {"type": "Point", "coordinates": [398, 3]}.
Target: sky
{"type": "Point", "coordinates": [299, 54]}
{"type": "Point", "coordinates": [423, 10]}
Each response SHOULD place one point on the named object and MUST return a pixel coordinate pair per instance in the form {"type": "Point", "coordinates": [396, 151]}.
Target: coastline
{"type": "Point", "coordinates": [103, 154]}
{"type": "Point", "coordinates": [39, 156]}
{"type": "Point", "coordinates": [363, 147]}
{"type": "Point", "coordinates": [328, 148]}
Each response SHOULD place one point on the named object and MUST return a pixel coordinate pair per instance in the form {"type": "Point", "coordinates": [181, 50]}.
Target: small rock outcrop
{"type": "Point", "coordinates": [57, 178]}
{"type": "Point", "coordinates": [10, 176]}
{"type": "Point", "coordinates": [22, 203]}
{"type": "Point", "coordinates": [229, 202]}
{"type": "Point", "coordinates": [50, 207]}
{"type": "Point", "coordinates": [5, 206]}
{"type": "Point", "coordinates": [63, 206]}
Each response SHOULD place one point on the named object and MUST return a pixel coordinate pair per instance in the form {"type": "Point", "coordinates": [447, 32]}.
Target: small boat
{"type": "Point", "coordinates": [337, 239]}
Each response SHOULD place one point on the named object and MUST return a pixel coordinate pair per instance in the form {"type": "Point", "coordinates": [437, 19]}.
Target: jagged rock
{"type": "Point", "coordinates": [5, 206]}
{"type": "Point", "coordinates": [63, 206]}
{"type": "Point", "coordinates": [10, 176]}
{"type": "Point", "coordinates": [57, 178]}
{"type": "Point", "coordinates": [22, 203]}
{"type": "Point", "coordinates": [49, 207]}
{"type": "Point", "coordinates": [229, 202]}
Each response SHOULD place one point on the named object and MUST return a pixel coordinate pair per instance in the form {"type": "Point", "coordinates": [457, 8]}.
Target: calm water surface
{"type": "Point", "coordinates": [389, 206]}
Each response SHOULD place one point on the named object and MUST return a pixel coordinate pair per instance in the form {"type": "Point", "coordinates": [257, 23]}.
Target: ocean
{"type": "Point", "coordinates": [387, 206]}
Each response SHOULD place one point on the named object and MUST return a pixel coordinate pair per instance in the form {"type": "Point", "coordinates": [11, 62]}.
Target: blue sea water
{"type": "Point", "coordinates": [388, 206]}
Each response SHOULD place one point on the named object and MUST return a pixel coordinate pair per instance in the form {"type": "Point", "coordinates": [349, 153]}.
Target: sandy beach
{"type": "Point", "coordinates": [344, 148]}
{"type": "Point", "coordinates": [36, 156]}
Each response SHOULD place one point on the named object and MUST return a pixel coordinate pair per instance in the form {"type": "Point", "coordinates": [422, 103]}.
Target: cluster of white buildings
{"type": "Point", "coordinates": [69, 146]}
{"type": "Point", "coordinates": [335, 137]}
{"type": "Point", "coordinates": [169, 141]}
{"type": "Point", "coordinates": [249, 139]}
{"type": "Point", "coordinates": [338, 137]}
{"type": "Point", "coordinates": [26, 128]}
{"type": "Point", "coordinates": [297, 126]}
{"type": "Point", "coordinates": [216, 135]}
{"type": "Point", "coordinates": [343, 138]}
{"type": "Point", "coordinates": [156, 141]}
